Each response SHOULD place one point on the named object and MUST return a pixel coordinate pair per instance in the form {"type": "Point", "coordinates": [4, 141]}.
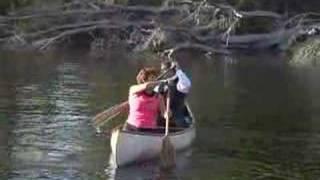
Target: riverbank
{"type": "Point", "coordinates": [166, 29]}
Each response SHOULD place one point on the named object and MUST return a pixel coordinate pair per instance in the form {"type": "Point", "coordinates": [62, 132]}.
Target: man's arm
{"type": "Point", "coordinates": [184, 83]}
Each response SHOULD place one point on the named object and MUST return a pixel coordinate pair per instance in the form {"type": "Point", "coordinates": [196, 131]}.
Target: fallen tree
{"type": "Point", "coordinates": [174, 26]}
{"type": "Point", "coordinates": [306, 53]}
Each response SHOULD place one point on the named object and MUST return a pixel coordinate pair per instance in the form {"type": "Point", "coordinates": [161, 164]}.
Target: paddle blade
{"type": "Point", "coordinates": [110, 113]}
{"type": "Point", "coordinates": [168, 154]}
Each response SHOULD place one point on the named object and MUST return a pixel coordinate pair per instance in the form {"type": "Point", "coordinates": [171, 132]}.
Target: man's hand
{"type": "Point", "coordinates": [175, 65]}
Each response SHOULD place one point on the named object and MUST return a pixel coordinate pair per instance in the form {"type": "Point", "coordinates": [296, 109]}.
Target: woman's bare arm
{"type": "Point", "coordinates": [141, 87]}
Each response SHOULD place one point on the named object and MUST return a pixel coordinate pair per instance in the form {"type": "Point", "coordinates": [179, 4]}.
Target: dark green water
{"type": "Point", "coordinates": [258, 118]}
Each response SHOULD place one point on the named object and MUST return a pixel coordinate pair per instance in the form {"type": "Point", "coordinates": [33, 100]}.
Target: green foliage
{"type": "Point", "coordinates": [307, 53]}
{"type": "Point", "coordinates": [122, 2]}
{"type": "Point", "coordinates": [246, 4]}
{"type": "Point", "coordinates": [3, 170]}
{"type": "Point", "coordinates": [3, 119]}
{"type": "Point", "coordinates": [255, 25]}
{"type": "Point", "coordinates": [145, 2]}
{"type": "Point", "coordinates": [7, 5]}
{"type": "Point", "coordinates": [280, 6]}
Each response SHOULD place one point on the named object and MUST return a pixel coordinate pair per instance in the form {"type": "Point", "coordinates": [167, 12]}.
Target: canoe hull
{"type": "Point", "coordinates": [133, 147]}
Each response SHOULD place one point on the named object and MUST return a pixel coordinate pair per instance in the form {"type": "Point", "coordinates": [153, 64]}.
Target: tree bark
{"type": "Point", "coordinates": [172, 27]}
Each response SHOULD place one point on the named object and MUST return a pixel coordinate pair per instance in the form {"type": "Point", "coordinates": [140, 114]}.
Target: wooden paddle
{"type": "Point", "coordinates": [105, 116]}
{"type": "Point", "coordinates": [110, 113]}
{"type": "Point", "coordinates": [168, 152]}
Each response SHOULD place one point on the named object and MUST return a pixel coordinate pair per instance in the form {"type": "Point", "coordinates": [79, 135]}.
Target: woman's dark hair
{"type": "Point", "coordinates": [147, 74]}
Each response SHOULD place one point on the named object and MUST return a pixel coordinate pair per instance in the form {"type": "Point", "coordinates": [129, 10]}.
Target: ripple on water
{"type": "Point", "coordinates": [49, 126]}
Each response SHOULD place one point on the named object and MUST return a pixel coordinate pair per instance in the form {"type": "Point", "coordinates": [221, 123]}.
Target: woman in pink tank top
{"type": "Point", "coordinates": [144, 105]}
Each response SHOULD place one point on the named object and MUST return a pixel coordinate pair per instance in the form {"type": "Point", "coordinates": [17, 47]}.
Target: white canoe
{"type": "Point", "coordinates": [131, 147]}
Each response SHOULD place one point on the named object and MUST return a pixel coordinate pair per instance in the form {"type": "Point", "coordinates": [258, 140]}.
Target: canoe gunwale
{"type": "Point", "coordinates": [178, 132]}
{"type": "Point", "coordinates": [159, 134]}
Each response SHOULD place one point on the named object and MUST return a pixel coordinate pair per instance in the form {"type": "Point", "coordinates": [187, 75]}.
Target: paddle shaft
{"type": "Point", "coordinates": [167, 113]}
{"type": "Point", "coordinates": [168, 153]}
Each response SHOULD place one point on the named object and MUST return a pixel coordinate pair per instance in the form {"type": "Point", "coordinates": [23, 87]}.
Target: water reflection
{"type": "Point", "coordinates": [48, 127]}
{"type": "Point", "coordinates": [151, 169]}
{"type": "Point", "coordinates": [256, 117]}
{"type": "Point", "coordinates": [260, 115]}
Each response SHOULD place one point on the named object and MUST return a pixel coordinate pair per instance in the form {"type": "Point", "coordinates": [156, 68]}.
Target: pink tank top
{"type": "Point", "coordinates": [143, 110]}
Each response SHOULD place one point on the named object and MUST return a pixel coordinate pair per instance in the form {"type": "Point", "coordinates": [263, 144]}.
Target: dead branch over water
{"type": "Point", "coordinates": [174, 26]}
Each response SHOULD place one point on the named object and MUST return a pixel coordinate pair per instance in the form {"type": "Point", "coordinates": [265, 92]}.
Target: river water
{"type": "Point", "coordinates": [257, 117]}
